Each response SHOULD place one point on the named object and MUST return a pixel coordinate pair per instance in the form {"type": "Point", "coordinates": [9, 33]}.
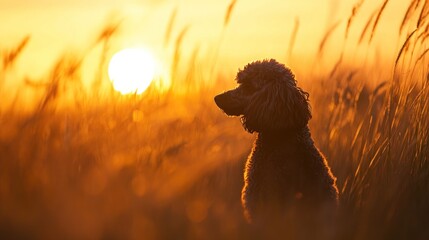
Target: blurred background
{"type": "Point", "coordinates": [290, 31]}
{"type": "Point", "coordinates": [82, 158]}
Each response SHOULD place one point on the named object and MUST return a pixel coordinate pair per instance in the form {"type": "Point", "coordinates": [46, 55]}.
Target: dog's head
{"type": "Point", "coordinates": [267, 98]}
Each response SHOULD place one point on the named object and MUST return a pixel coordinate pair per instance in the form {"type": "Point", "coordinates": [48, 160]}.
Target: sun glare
{"type": "Point", "coordinates": [132, 70]}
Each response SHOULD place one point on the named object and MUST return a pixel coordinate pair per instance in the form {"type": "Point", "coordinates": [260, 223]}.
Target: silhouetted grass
{"type": "Point", "coordinates": [293, 38]}
{"type": "Point", "coordinates": [169, 165]}
{"type": "Point", "coordinates": [355, 11]}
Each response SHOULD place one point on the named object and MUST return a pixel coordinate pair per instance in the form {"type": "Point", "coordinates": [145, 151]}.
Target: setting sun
{"type": "Point", "coordinates": [116, 119]}
{"type": "Point", "coordinates": [132, 70]}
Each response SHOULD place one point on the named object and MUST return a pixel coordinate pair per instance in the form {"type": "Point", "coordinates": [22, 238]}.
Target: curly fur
{"type": "Point", "coordinates": [285, 172]}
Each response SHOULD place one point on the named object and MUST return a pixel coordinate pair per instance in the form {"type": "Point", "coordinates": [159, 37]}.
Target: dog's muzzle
{"type": "Point", "coordinates": [231, 105]}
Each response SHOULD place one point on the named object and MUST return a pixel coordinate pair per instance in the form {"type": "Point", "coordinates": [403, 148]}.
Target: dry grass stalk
{"type": "Point", "coordinates": [365, 29]}
{"type": "Point", "coordinates": [10, 57]}
{"type": "Point", "coordinates": [104, 38]}
{"type": "Point", "coordinates": [421, 56]}
{"type": "Point", "coordinates": [217, 47]}
{"type": "Point", "coordinates": [293, 37]}
{"type": "Point", "coordinates": [409, 13]}
{"type": "Point", "coordinates": [424, 34]}
{"type": "Point", "coordinates": [108, 31]}
{"type": "Point", "coordinates": [404, 46]}
{"type": "Point", "coordinates": [177, 51]}
{"type": "Point", "coordinates": [336, 66]}
{"type": "Point", "coordinates": [418, 59]}
{"type": "Point", "coordinates": [65, 72]}
{"type": "Point", "coordinates": [379, 88]}
{"type": "Point", "coordinates": [229, 13]}
{"type": "Point", "coordinates": [170, 26]}
{"type": "Point", "coordinates": [355, 10]}
{"type": "Point", "coordinates": [101, 163]}
{"type": "Point", "coordinates": [423, 37]}
{"type": "Point", "coordinates": [423, 14]}
{"type": "Point", "coordinates": [326, 37]}
{"type": "Point", "coordinates": [190, 79]}
{"type": "Point", "coordinates": [374, 27]}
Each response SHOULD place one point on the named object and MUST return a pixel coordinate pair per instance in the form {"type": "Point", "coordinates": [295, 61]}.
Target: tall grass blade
{"type": "Point", "coordinates": [10, 57]}
{"type": "Point", "coordinates": [377, 19]}
{"type": "Point", "coordinates": [336, 66]}
{"type": "Point", "coordinates": [408, 14]}
{"type": "Point", "coordinates": [217, 47]}
{"type": "Point", "coordinates": [418, 59]}
{"type": "Point", "coordinates": [293, 37]}
{"type": "Point", "coordinates": [326, 37]}
{"type": "Point", "coordinates": [423, 14]}
{"type": "Point", "coordinates": [365, 29]}
{"type": "Point", "coordinates": [404, 46]}
{"type": "Point", "coordinates": [352, 16]}
{"type": "Point", "coordinates": [424, 34]}
{"type": "Point", "coordinates": [108, 31]}
{"type": "Point", "coordinates": [170, 26]}
{"type": "Point", "coordinates": [177, 52]}
{"type": "Point", "coordinates": [229, 11]}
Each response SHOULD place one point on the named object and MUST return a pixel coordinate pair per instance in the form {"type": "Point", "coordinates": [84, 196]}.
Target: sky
{"type": "Point", "coordinates": [256, 30]}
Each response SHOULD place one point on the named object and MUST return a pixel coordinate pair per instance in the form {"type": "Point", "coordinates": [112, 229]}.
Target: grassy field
{"type": "Point", "coordinates": [170, 165]}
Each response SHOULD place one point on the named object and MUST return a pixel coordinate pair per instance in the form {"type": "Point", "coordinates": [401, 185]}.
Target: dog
{"type": "Point", "coordinates": [285, 174]}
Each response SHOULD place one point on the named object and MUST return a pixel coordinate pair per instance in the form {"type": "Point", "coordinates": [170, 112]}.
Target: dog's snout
{"type": "Point", "coordinates": [229, 104]}
{"type": "Point", "coordinates": [217, 99]}
{"type": "Point", "coordinates": [220, 100]}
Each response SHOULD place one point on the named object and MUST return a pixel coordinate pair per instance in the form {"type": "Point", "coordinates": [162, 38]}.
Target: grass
{"type": "Point", "coordinates": [168, 166]}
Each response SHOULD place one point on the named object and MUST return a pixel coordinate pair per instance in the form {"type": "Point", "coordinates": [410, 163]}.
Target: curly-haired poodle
{"type": "Point", "coordinates": [285, 172]}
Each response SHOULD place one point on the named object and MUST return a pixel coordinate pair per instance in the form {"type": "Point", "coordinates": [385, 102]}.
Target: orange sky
{"type": "Point", "coordinates": [257, 29]}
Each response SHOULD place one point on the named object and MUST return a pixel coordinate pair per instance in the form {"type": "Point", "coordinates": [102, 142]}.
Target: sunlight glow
{"type": "Point", "coordinates": [132, 70]}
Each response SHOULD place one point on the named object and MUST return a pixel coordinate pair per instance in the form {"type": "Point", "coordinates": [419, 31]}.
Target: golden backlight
{"type": "Point", "coordinates": [132, 70]}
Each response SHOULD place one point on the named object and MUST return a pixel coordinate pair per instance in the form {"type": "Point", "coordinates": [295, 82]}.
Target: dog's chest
{"type": "Point", "coordinates": [275, 165]}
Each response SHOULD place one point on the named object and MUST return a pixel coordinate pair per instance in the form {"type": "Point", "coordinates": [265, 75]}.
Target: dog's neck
{"type": "Point", "coordinates": [290, 136]}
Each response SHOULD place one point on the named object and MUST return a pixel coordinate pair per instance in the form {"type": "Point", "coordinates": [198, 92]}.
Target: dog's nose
{"type": "Point", "coordinates": [217, 99]}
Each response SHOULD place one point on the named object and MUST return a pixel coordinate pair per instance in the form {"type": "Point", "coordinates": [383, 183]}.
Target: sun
{"type": "Point", "coordinates": [132, 70]}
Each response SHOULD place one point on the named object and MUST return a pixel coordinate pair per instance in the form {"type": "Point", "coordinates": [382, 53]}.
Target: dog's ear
{"type": "Point", "coordinates": [279, 106]}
